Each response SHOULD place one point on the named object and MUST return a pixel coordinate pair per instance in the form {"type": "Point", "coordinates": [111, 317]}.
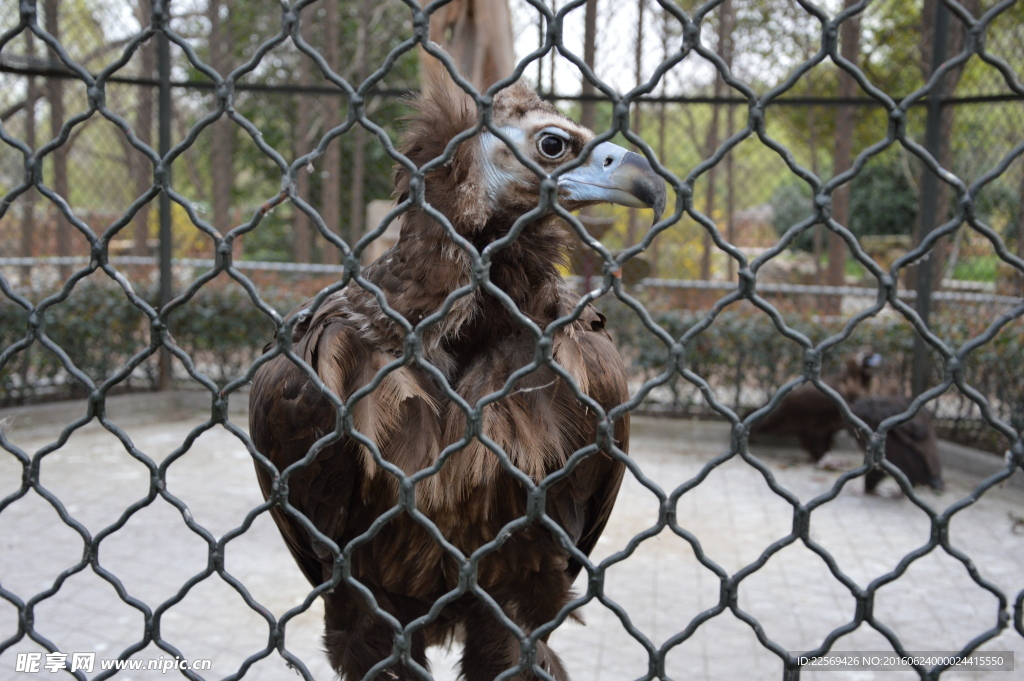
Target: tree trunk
{"type": "Point", "coordinates": [63, 230]}
{"type": "Point", "coordinates": [1020, 235]}
{"type": "Point", "coordinates": [632, 225]}
{"type": "Point", "coordinates": [662, 149]}
{"type": "Point", "coordinates": [330, 185]}
{"type": "Point", "coordinates": [656, 243]}
{"type": "Point", "coordinates": [301, 225]}
{"type": "Point", "coordinates": [588, 119]}
{"type": "Point", "coordinates": [357, 208]}
{"type": "Point", "coordinates": [954, 45]}
{"type": "Point", "coordinates": [709, 196]}
{"type": "Point", "coordinates": [222, 140]}
{"type": "Point", "coordinates": [139, 164]}
{"type": "Point", "coordinates": [540, 62]}
{"type": "Point", "coordinates": [726, 46]}
{"type": "Point", "coordinates": [712, 147]}
{"type": "Point", "coordinates": [842, 157]}
{"type": "Point", "coordinates": [587, 111]}
{"type": "Point", "coordinates": [552, 55]}
{"type": "Point", "coordinates": [816, 231]}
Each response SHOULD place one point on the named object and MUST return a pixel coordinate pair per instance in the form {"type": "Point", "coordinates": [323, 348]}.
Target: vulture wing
{"type": "Point", "coordinates": [584, 506]}
{"type": "Point", "coordinates": [910, 446]}
{"type": "Point", "coordinates": [290, 415]}
{"type": "Point", "coordinates": [805, 407]}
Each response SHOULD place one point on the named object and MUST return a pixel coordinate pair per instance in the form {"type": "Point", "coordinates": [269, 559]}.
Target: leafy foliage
{"type": "Point", "coordinates": [882, 201]}
{"type": "Point", "coordinates": [100, 330]}
{"type": "Point", "coordinates": [97, 328]}
{"type": "Point", "coordinates": [742, 356]}
{"type": "Point", "coordinates": [745, 360]}
{"type": "Point", "coordinates": [223, 331]}
{"type": "Point", "coordinates": [791, 203]}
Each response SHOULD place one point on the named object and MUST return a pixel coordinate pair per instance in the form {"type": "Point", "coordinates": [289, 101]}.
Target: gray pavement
{"type": "Point", "coordinates": [935, 605]}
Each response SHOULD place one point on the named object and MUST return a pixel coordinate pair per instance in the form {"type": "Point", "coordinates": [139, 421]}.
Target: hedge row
{"type": "Point", "coordinates": [741, 355]}
{"type": "Point", "coordinates": [745, 359]}
{"type": "Point", "coordinates": [101, 330]}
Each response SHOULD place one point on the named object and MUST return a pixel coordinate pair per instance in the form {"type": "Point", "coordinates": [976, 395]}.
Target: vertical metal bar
{"type": "Point", "coordinates": [28, 218]}
{"type": "Point", "coordinates": [164, 69]}
{"type": "Point", "coordinates": [929, 196]}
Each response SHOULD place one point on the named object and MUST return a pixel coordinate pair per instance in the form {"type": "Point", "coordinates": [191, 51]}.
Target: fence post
{"type": "Point", "coordinates": [164, 69]}
{"type": "Point", "coordinates": [929, 197]}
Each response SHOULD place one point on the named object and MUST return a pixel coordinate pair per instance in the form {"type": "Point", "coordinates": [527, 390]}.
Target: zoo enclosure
{"type": "Point", "coordinates": [955, 210]}
{"type": "Point", "coordinates": [685, 116]}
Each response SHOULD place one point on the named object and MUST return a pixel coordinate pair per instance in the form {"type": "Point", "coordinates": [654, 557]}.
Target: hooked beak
{"type": "Point", "coordinates": [617, 176]}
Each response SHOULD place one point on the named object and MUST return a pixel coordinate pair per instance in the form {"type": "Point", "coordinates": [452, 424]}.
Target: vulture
{"type": "Point", "coordinates": [811, 415]}
{"type": "Point", "coordinates": [911, 446]}
{"type": "Point", "coordinates": [478, 346]}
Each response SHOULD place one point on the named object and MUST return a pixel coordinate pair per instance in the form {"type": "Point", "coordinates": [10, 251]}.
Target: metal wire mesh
{"type": "Point", "coordinates": [160, 31]}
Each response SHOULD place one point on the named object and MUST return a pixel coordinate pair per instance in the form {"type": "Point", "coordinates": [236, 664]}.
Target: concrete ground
{"type": "Point", "coordinates": [734, 514]}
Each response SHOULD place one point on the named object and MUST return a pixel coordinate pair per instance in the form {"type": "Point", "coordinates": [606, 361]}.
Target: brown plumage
{"type": "Point", "coordinates": [477, 346]}
{"type": "Point", "coordinates": [910, 446]}
{"type": "Point", "coordinates": [811, 415]}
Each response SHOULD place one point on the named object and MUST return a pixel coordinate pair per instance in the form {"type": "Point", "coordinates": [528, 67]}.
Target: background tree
{"type": "Point", "coordinates": [843, 155]}
{"type": "Point", "coordinates": [59, 156]}
{"type": "Point", "coordinates": [302, 227]}
{"type": "Point", "coordinates": [222, 132]}
{"type": "Point", "coordinates": [330, 195]}
{"type": "Point", "coordinates": [761, 40]}
{"type": "Point", "coordinates": [140, 167]}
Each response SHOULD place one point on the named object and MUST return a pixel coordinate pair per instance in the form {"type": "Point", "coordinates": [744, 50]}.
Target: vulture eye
{"type": "Point", "coordinates": [551, 146]}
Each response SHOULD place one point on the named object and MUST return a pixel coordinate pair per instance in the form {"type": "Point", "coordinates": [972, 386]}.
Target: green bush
{"type": "Point", "coordinates": [745, 360]}
{"type": "Point", "coordinates": [881, 202]}
{"type": "Point", "coordinates": [96, 327]}
{"type": "Point", "coordinates": [792, 203]}
{"type": "Point", "coordinates": [742, 356]}
{"type": "Point", "coordinates": [13, 319]}
{"type": "Point", "coordinates": [100, 330]}
{"type": "Point", "coordinates": [223, 331]}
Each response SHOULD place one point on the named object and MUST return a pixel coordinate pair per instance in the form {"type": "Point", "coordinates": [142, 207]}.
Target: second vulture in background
{"type": "Point", "coordinates": [811, 415]}
{"type": "Point", "coordinates": [910, 446]}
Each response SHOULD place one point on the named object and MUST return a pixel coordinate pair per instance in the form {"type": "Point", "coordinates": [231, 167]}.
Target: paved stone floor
{"type": "Point", "coordinates": [935, 605]}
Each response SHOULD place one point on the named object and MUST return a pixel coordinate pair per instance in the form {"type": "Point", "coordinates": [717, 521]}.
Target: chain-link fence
{"type": "Point", "coordinates": [178, 175]}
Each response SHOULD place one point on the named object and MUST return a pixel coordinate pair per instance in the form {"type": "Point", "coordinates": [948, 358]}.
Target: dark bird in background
{"type": "Point", "coordinates": [477, 345]}
{"type": "Point", "coordinates": [910, 446]}
{"type": "Point", "coordinates": [811, 415]}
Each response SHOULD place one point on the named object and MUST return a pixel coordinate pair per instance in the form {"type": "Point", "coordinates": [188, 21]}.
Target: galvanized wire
{"type": "Point", "coordinates": [886, 294]}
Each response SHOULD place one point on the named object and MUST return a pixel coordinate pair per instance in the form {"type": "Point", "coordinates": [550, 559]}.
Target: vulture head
{"type": "Point", "coordinates": [859, 373]}
{"type": "Point", "coordinates": [486, 184]}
